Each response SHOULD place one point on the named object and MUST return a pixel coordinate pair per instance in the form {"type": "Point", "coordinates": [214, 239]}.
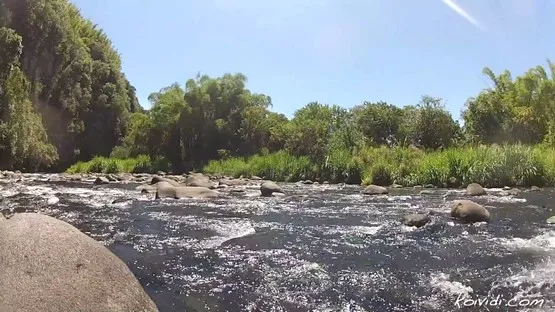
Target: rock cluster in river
{"type": "Point", "coordinates": [49, 265]}
{"type": "Point", "coordinates": [197, 185]}
{"type": "Point", "coordinates": [463, 210]}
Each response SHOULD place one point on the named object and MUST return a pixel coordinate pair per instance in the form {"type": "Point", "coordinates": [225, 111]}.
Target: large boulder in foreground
{"type": "Point", "coordinates": [469, 211]}
{"type": "Point", "coordinates": [268, 188]}
{"type": "Point", "coordinates": [375, 190]}
{"type": "Point", "coordinates": [475, 189]}
{"type": "Point", "coordinates": [166, 190]}
{"type": "Point", "coordinates": [48, 265]}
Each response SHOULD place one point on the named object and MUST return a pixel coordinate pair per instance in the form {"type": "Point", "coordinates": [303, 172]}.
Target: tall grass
{"type": "Point", "coordinates": [491, 166]}
{"type": "Point", "coordinates": [278, 166]}
{"type": "Point", "coordinates": [140, 164]}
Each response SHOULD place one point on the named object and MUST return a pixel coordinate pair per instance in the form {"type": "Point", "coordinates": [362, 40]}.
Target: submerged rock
{"type": "Point", "coordinates": [375, 190]}
{"type": "Point", "coordinates": [111, 178]}
{"type": "Point", "coordinates": [268, 188]}
{"type": "Point", "coordinates": [101, 180]}
{"type": "Point", "coordinates": [232, 182]}
{"type": "Point", "coordinates": [469, 211]}
{"type": "Point", "coordinates": [417, 220]}
{"type": "Point", "coordinates": [475, 189]}
{"type": "Point", "coordinates": [49, 265]}
{"type": "Point", "coordinates": [237, 191]}
{"type": "Point", "coordinates": [166, 190]}
{"type": "Point", "coordinates": [535, 189]}
{"type": "Point", "coordinates": [147, 188]}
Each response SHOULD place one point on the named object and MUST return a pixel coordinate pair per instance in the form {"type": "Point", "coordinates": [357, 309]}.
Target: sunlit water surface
{"type": "Point", "coordinates": [319, 248]}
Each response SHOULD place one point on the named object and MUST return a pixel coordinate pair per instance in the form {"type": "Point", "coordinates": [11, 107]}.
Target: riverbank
{"type": "Point", "coordinates": [491, 166]}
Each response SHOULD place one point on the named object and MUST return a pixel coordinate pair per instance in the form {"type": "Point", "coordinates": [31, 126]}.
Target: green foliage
{"type": "Point", "coordinates": [491, 166]}
{"type": "Point", "coordinates": [514, 110]}
{"type": "Point", "coordinates": [279, 166]}
{"type": "Point", "coordinates": [72, 75]}
{"type": "Point", "coordinates": [139, 164]}
{"type": "Point", "coordinates": [24, 143]}
{"type": "Point", "coordinates": [380, 123]}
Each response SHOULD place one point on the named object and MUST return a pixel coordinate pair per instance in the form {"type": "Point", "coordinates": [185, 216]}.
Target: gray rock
{"type": "Point", "coordinates": [268, 188]}
{"type": "Point", "coordinates": [206, 184]}
{"type": "Point", "coordinates": [469, 211]}
{"type": "Point", "coordinates": [551, 220]}
{"type": "Point", "coordinates": [417, 220]}
{"type": "Point", "coordinates": [101, 180]}
{"type": "Point", "coordinates": [124, 177]}
{"type": "Point", "coordinates": [375, 190]}
{"type": "Point", "coordinates": [156, 179]}
{"type": "Point", "coordinates": [535, 189]}
{"type": "Point", "coordinates": [49, 265]}
{"type": "Point", "coordinates": [166, 190]}
{"type": "Point", "coordinates": [475, 189]}
{"type": "Point", "coordinates": [199, 180]}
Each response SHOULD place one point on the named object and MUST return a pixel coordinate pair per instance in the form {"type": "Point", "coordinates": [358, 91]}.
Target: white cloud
{"type": "Point", "coordinates": [455, 7]}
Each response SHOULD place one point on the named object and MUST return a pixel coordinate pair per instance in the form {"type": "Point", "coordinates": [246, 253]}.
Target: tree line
{"type": "Point", "coordinates": [64, 98]}
{"type": "Point", "coordinates": [215, 118]}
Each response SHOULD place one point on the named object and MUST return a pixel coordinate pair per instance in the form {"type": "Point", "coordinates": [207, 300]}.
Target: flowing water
{"type": "Point", "coordinates": [319, 248]}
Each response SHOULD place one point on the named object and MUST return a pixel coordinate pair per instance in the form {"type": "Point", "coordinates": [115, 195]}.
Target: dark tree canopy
{"type": "Point", "coordinates": [72, 77]}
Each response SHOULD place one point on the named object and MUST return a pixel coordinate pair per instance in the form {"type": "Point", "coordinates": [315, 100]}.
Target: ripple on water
{"type": "Point", "coordinates": [319, 248]}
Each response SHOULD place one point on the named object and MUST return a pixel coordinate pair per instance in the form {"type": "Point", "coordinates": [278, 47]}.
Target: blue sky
{"type": "Point", "coordinates": [339, 52]}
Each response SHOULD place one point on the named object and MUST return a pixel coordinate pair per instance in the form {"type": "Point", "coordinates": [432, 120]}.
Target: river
{"type": "Point", "coordinates": [319, 248]}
